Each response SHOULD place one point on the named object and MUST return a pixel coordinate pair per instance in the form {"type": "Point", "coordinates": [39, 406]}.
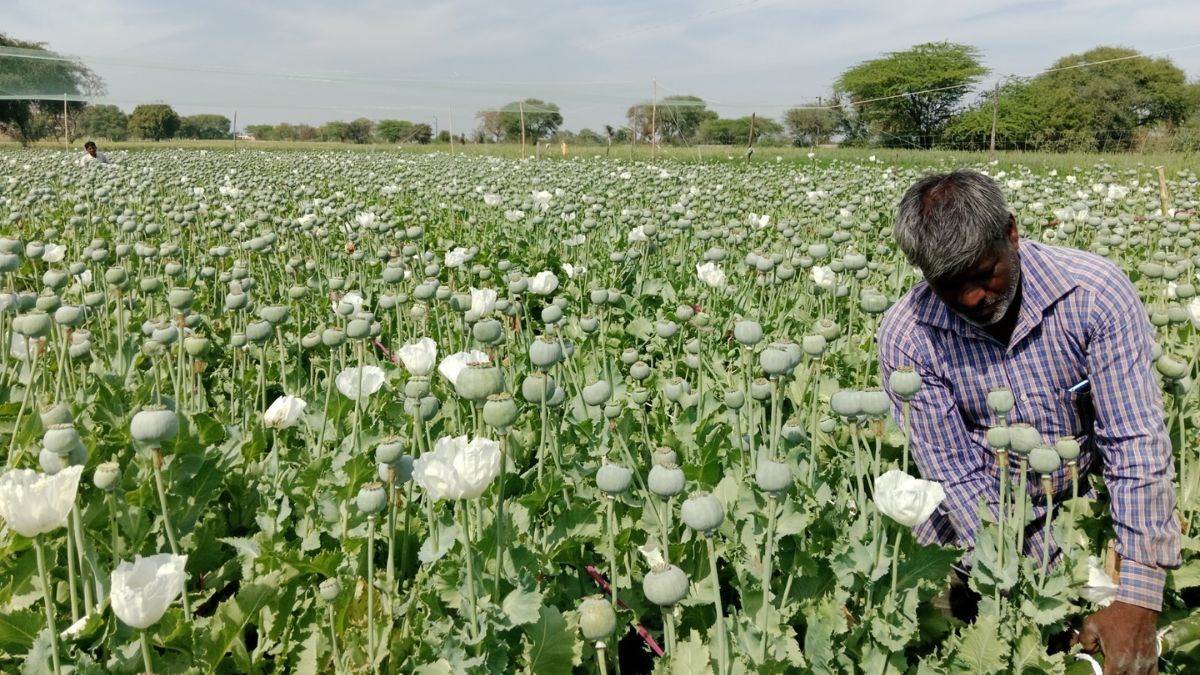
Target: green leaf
{"type": "Point", "coordinates": [550, 646]}
{"type": "Point", "coordinates": [19, 629]}
{"type": "Point", "coordinates": [980, 650]}
{"type": "Point", "coordinates": [224, 630]}
{"type": "Point", "coordinates": [522, 607]}
{"type": "Point", "coordinates": [691, 657]}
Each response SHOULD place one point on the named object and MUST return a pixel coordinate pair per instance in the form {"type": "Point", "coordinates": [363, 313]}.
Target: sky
{"type": "Point", "coordinates": [440, 62]}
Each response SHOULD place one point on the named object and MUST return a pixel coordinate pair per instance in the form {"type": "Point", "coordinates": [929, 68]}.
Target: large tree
{"type": "Point", "coordinates": [813, 123]}
{"type": "Point", "coordinates": [490, 128]}
{"type": "Point", "coordinates": [208, 127]}
{"type": "Point", "coordinates": [154, 121]}
{"type": "Point", "coordinates": [716, 131]}
{"type": "Point", "coordinates": [1071, 106]}
{"type": "Point", "coordinates": [542, 119]}
{"type": "Point", "coordinates": [908, 97]}
{"type": "Point", "coordinates": [674, 119]}
{"type": "Point", "coordinates": [101, 121]}
{"type": "Point", "coordinates": [38, 79]}
{"type": "Point", "coordinates": [359, 131]}
{"type": "Point", "coordinates": [394, 131]}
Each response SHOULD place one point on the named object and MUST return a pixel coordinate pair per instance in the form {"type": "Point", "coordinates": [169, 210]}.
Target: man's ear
{"type": "Point", "coordinates": [1013, 235]}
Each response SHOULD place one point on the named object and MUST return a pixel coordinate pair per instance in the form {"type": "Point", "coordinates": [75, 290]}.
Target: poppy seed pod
{"type": "Point", "coordinates": [416, 386]}
{"type": "Point", "coordinates": [478, 381]}
{"type": "Point", "coordinates": [775, 362]}
{"type": "Point", "coordinates": [998, 438]}
{"type": "Point", "coordinates": [332, 337]}
{"type": "Point", "coordinates": [613, 479]}
{"type": "Point", "coordinates": [537, 387]}
{"type": "Point", "coordinates": [500, 411]}
{"type": "Point", "coordinates": [1023, 438]}
{"type": "Point", "coordinates": [665, 480]}
{"type": "Point", "coordinates": [371, 498]}
{"type": "Point", "coordinates": [330, 589]}
{"type": "Point", "coordinates": [665, 585]}
{"type": "Point", "coordinates": [60, 438]}
{"type": "Point", "coordinates": [58, 413]}
{"type": "Point", "coordinates": [259, 331]}
{"type": "Point", "coordinates": [734, 399]}
{"type": "Point", "coordinates": [180, 299]}
{"type": "Point", "coordinates": [1001, 400]}
{"type": "Point", "coordinates": [828, 328]}
{"type": "Point", "coordinates": [195, 345]}
{"type": "Point", "coordinates": [1044, 460]}
{"type": "Point", "coordinates": [544, 352]}
{"type": "Point", "coordinates": [154, 425]}
{"type": "Point", "coordinates": [1067, 448]}
{"type": "Point", "coordinates": [68, 315]}
{"type": "Point", "coordinates": [875, 403]}
{"type": "Point", "coordinates": [107, 476]}
{"type": "Point", "coordinates": [35, 324]}
{"type": "Point", "coordinates": [1171, 367]}
{"type": "Point", "coordinates": [747, 332]}
{"type": "Point", "coordinates": [597, 393]}
{"type": "Point", "coordinates": [52, 463]}
{"type": "Point", "coordinates": [640, 371]}
{"type": "Point", "coordinates": [358, 329]}
{"type": "Point", "coordinates": [597, 620]}
{"type": "Point", "coordinates": [846, 402]}
{"type": "Point", "coordinates": [702, 512]}
{"type": "Point", "coordinates": [488, 331]}
{"type": "Point", "coordinates": [760, 389]}
{"type": "Point", "coordinates": [814, 345]}
{"type": "Point", "coordinates": [773, 477]}
{"type": "Point", "coordinates": [389, 450]}
{"type": "Point", "coordinates": [237, 340]}
{"type": "Point", "coordinates": [675, 389]}
{"type": "Point", "coordinates": [274, 314]}
{"type": "Point", "coordinates": [905, 383]}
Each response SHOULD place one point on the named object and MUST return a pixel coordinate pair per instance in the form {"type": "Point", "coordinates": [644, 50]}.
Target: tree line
{"type": "Point", "coordinates": [1107, 98]}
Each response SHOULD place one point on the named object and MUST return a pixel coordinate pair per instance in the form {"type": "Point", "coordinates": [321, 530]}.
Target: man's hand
{"type": "Point", "coordinates": [1126, 635]}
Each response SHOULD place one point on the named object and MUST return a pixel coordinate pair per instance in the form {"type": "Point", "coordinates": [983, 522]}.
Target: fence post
{"type": "Point", "coordinates": [522, 106]}
{"type": "Point", "coordinates": [995, 110]}
{"type": "Point", "coordinates": [750, 140]}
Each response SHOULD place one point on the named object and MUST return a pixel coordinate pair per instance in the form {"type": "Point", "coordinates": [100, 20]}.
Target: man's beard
{"type": "Point", "coordinates": [1001, 310]}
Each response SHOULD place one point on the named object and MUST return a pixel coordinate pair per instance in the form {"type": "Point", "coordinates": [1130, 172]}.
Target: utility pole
{"type": "Point", "coordinates": [235, 133]}
{"type": "Point", "coordinates": [66, 125]}
{"type": "Point", "coordinates": [654, 121]}
{"type": "Point", "coordinates": [521, 104]}
{"type": "Point", "coordinates": [750, 140]}
{"type": "Point", "coordinates": [995, 110]}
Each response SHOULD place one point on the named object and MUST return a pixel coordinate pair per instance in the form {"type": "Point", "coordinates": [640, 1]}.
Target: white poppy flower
{"type": "Point", "coordinates": [710, 274]}
{"type": "Point", "coordinates": [354, 298]}
{"type": "Point", "coordinates": [1194, 312]}
{"type": "Point", "coordinates": [457, 468]}
{"type": "Point", "coordinates": [491, 199]}
{"type": "Point", "coordinates": [576, 240]}
{"type": "Point", "coordinates": [54, 253]}
{"type": "Point", "coordinates": [347, 381]}
{"type": "Point", "coordinates": [573, 271]}
{"type": "Point", "coordinates": [418, 357]}
{"type": "Point", "coordinates": [34, 503]}
{"type": "Point", "coordinates": [144, 589]}
{"type": "Point", "coordinates": [1117, 191]}
{"type": "Point", "coordinates": [453, 365]}
{"type": "Point", "coordinates": [543, 283]}
{"type": "Point", "coordinates": [1100, 588]}
{"type": "Point", "coordinates": [284, 412]}
{"type": "Point", "coordinates": [483, 301]}
{"type": "Point", "coordinates": [541, 199]}
{"type": "Point", "coordinates": [907, 500]}
{"type": "Point", "coordinates": [457, 257]}
{"type": "Point", "coordinates": [824, 277]}
{"type": "Point", "coordinates": [514, 215]}
{"type": "Point", "coordinates": [636, 235]}
{"type": "Point", "coordinates": [365, 219]}
{"type": "Point", "coordinates": [759, 222]}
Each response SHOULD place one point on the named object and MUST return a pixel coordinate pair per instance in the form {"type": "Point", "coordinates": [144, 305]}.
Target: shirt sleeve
{"type": "Point", "coordinates": [1129, 433]}
{"type": "Point", "coordinates": [939, 443]}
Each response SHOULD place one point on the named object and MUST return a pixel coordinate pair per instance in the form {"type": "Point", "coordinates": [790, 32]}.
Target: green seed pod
{"type": "Point", "coordinates": [545, 352]}
{"type": "Point", "coordinates": [332, 337]}
{"type": "Point", "coordinates": [665, 585]}
{"type": "Point", "coordinates": [237, 340]}
{"type": "Point", "coordinates": [1001, 401]}
{"type": "Point", "coordinates": [51, 463]}
{"type": "Point", "coordinates": [612, 410]}
{"type": "Point", "coordinates": [1067, 448]}
{"type": "Point", "coordinates": [478, 381]}
{"type": "Point", "coordinates": [998, 438]}
{"type": "Point", "coordinates": [416, 386]}
{"type": "Point", "coordinates": [664, 456]}
{"type": "Point", "coordinates": [747, 332]}
{"type": "Point", "coordinates": [792, 432]}
{"type": "Point", "coordinates": [68, 315]}
{"type": "Point", "coordinates": [330, 589]}
{"type": "Point", "coordinates": [846, 403]}
{"type": "Point", "coordinates": [665, 481]}
{"type": "Point", "coordinates": [828, 329]}
{"type": "Point", "coordinates": [274, 314]}
{"type": "Point", "coordinates": [875, 403]}
{"type": "Point", "coordinates": [60, 438]}
{"type": "Point", "coordinates": [629, 356]}
{"type": "Point", "coordinates": [613, 479]}
{"type": "Point", "coordinates": [259, 331]}
{"type": "Point", "coordinates": [639, 396]}
{"type": "Point", "coordinates": [1044, 460]}
{"type": "Point", "coordinates": [150, 284]}
{"type": "Point", "coordinates": [389, 450]}
{"type": "Point", "coordinates": [116, 277]}
{"type": "Point", "coordinates": [1171, 367]}
{"type": "Point", "coordinates": [107, 476]}
{"type": "Point", "coordinates": [775, 362]}
{"type": "Point", "coordinates": [488, 331]}
{"type": "Point", "coordinates": [589, 324]}
{"type": "Point", "coordinates": [640, 371]}
{"type": "Point", "coordinates": [371, 498]}
{"type": "Point", "coordinates": [164, 334]}
{"type": "Point", "coordinates": [702, 512]}
{"type": "Point", "coordinates": [180, 299]}
{"type": "Point", "coordinates": [597, 393]}
{"type": "Point", "coordinates": [35, 324]}
{"type": "Point", "coordinates": [675, 389]}
{"type": "Point", "coordinates": [1023, 438]}
{"type": "Point", "coordinates": [597, 620]}
{"type": "Point", "coordinates": [500, 411]}
{"type": "Point", "coordinates": [760, 389]}
{"type": "Point", "coordinates": [537, 387]}
{"type": "Point", "coordinates": [154, 425]}
{"type": "Point", "coordinates": [905, 383]}
{"type": "Point", "coordinates": [773, 477]}
{"type": "Point", "coordinates": [195, 345]}
{"type": "Point", "coordinates": [58, 413]}
{"type": "Point", "coordinates": [358, 329]}
{"type": "Point", "coordinates": [734, 399]}
{"type": "Point", "coordinates": [814, 345]}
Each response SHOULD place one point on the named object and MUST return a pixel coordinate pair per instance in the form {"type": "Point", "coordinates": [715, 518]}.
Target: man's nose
{"type": "Point", "coordinates": [971, 296]}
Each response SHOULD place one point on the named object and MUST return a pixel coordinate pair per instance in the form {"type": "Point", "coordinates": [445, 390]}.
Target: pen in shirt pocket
{"type": "Point", "coordinates": [1081, 387]}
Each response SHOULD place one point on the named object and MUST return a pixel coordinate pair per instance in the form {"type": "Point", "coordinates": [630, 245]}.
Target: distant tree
{"type": "Point", "coordinates": [1102, 107]}
{"type": "Point", "coordinates": [332, 131]}
{"type": "Point", "coordinates": [676, 119]}
{"type": "Point", "coordinates": [262, 132]}
{"type": "Point", "coordinates": [737, 131]}
{"type": "Point", "coordinates": [422, 133]}
{"type": "Point", "coordinates": [443, 136]}
{"type": "Point", "coordinates": [943, 71]}
{"type": "Point", "coordinates": [589, 137]}
{"type": "Point", "coordinates": [394, 131]}
{"type": "Point", "coordinates": [306, 132]}
{"type": "Point", "coordinates": [206, 127]}
{"type": "Point", "coordinates": [153, 121]}
{"type": "Point", "coordinates": [31, 118]}
{"type": "Point", "coordinates": [101, 121]}
{"type": "Point", "coordinates": [542, 119]}
{"type": "Point", "coordinates": [812, 123]}
{"type": "Point", "coordinates": [359, 131]}
{"type": "Point", "coordinates": [490, 126]}
{"type": "Point", "coordinates": [285, 132]}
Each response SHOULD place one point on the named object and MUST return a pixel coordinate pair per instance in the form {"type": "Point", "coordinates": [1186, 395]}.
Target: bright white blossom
{"type": "Point", "coordinates": [541, 199]}
{"type": "Point", "coordinates": [457, 468]}
{"type": "Point", "coordinates": [491, 199]}
{"type": "Point", "coordinates": [284, 412]}
{"type": "Point", "coordinates": [452, 366]}
{"type": "Point", "coordinates": [365, 219]}
{"type": "Point", "coordinates": [1100, 588]}
{"type": "Point", "coordinates": [418, 357]}
{"type": "Point", "coordinates": [543, 283]}
{"type": "Point", "coordinates": [824, 277]}
{"type": "Point", "coordinates": [636, 235]}
{"type": "Point", "coordinates": [34, 503]}
{"type": "Point", "coordinates": [483, 301]}
{"type": "Point", "coordinates": [1194, 312]}
{"type": "Point", "coordinates": [758, 221]}
{"type": "Point", "coordinates": [573, 271]}
{"type": "Point", "coordinates": [354, 299]}
{"type": "Point", "coordinates": [143, 590]}
{"type": "Point", "coordinates": [54, 253]}
{"type": "Point", "coordinates": [456, 257]}
{"type": "Point", "coordinates": [360, 383]}
{"type": "Point", "coordinates": [711, 274]}
{"type": "Point", "coordinates": [907, 500]}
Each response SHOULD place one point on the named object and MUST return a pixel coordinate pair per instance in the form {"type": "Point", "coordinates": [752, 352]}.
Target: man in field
{"type": "Point", "coordinates": [91, 155]}
{"type": "Point", "coordinates": [999, 311]}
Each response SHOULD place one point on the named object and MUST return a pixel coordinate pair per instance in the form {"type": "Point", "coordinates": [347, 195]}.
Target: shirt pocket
{"type": "Point", "coordinates": [1058, 412]}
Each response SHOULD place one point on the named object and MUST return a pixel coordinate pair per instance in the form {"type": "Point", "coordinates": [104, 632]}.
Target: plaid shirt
{"type": "Point", "coordinates": [1080, 317]}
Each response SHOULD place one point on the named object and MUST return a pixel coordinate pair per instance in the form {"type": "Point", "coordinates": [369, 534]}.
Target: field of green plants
{"type": "Point", "coordinates": [328, 412]}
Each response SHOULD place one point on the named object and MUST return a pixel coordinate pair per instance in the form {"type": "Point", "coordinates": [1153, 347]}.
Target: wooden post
{"type": "Point", "coordinates": [750, 140]}
{"type": "Point", "coordinates": [235, 133]}
{"type": "Point", "coordinates": [995, 111]}
{"type": "Point", "coordinates": [564, 149]}
{"type": "Point", "coordinates": [1164, 197]}
{"type": "Point", "coordinates": [451, 125]}
{"type": "Point", "coordinates": [522, 106]}
{"type": "Point", "coordinates": [654, 122]}
{"type": "Point", "coordinates": [66, 125]}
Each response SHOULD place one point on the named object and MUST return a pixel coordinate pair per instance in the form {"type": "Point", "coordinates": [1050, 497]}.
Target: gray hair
{"type": "Point", "coordinates": [947, 221]}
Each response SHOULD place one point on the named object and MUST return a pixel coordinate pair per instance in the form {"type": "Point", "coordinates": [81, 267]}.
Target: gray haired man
{"type": "Point", "coordinates": [1065, 332]}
